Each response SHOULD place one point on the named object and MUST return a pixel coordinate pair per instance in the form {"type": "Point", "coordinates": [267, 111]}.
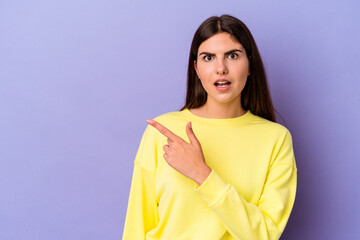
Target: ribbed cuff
{"type": "Point", "coordinates": [212, 189]}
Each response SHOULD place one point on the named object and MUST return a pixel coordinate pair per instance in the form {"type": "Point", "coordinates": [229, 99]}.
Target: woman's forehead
{"type": "Point", "coordinates": [220, 43]}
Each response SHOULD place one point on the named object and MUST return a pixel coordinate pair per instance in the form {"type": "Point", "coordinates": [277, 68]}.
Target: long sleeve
{"type": "Point", "coordinates": [266, 219]}
{"type": "Point", "coordinates": [142, 211]}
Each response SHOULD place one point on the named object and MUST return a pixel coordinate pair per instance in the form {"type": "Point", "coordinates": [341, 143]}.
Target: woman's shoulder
{"type": "Point", "coordinates": [271, 127]}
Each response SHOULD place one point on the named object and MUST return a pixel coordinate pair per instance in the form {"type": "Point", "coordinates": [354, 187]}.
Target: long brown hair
{"type": "Point", "coordinates": [255, 95]}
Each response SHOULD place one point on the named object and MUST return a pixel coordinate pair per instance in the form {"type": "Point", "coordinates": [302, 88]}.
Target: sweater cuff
{"type": "Point", "coordinates": [212, 189]}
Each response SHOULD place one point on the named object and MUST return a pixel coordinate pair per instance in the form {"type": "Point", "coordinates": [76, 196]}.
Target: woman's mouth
{"type": "Point", "coordinates": [222, 85]}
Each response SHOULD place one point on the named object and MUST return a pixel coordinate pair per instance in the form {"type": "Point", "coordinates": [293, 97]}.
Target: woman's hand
{"type": "Point", "coordinates": [186, 158]}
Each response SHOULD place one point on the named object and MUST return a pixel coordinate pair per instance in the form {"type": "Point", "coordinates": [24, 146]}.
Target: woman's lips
{"type": "Point", "coordinates": [223, 88]}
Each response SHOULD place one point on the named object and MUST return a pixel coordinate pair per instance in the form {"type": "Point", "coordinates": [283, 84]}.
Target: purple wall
{"type": "Point", "coordinates": [78, 79]}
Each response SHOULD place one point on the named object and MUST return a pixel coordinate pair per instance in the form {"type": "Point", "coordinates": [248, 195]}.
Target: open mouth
{"type": "Point", "coordinates": [222, 83]}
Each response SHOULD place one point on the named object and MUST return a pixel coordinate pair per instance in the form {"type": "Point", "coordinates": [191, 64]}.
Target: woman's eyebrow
{"type": "Point", "coordinates": [233, 50]}
{"type": "Point", "coordinates": [228, 52]}
{"type": "Point", "coordinates": [207, 53]}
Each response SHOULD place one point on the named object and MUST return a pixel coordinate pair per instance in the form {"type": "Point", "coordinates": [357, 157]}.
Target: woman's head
{"type": "Point", "coordinates": [255, 96]}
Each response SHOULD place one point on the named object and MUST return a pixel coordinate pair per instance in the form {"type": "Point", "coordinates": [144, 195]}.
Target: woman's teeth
{"type": "Point", "coordinates": [222, 83]}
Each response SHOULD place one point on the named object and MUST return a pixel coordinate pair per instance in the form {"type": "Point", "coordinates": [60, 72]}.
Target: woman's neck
{"type": "Point", "coordinates": [219, 111]}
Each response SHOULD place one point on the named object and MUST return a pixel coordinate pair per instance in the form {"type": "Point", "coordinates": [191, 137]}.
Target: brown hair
{"type": "Point", "coordinates": [255, 95]}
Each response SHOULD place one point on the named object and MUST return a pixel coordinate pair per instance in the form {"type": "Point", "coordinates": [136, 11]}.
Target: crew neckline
{"type": "Point", "coordinates": [223, 121]}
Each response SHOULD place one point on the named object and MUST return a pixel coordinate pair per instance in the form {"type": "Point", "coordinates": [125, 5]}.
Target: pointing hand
{"type": "Point", "coordinates": [186, 158]}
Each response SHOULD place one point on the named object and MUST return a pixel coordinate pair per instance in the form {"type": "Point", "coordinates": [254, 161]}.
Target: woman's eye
{"type": "Point", "coordinates": [207, 58]}
{"type": "Point", "coordinates": [233, 55]}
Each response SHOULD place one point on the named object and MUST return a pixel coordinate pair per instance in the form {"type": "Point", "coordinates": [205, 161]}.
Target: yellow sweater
{"type": "Point", "coordinates": [248, 195]}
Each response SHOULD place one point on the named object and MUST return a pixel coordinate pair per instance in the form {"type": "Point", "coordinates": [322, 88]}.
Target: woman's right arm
{"type": "Point", "coordinates": [142, 212]}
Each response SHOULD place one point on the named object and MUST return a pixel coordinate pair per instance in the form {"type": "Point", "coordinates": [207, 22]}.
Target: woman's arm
{"type": "Point", "coordinates": [142, 212]}
{"type": "Point", "coordinates": [142, 215]}
{"type": "Point", "coordinates": [244, 220]}
{"type": "Point", "coordinates": [267, 218]}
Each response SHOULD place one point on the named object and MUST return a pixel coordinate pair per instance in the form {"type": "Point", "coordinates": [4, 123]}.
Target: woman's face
{"type": "Point", "coordinates": [223, 67]}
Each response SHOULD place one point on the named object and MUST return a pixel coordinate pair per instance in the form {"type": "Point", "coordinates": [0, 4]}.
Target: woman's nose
{"type": "Point", "coordinates": [221, 67]}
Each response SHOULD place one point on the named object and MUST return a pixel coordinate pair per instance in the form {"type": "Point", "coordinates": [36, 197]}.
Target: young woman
{"type": "Point", "coordinates": [220, 168]}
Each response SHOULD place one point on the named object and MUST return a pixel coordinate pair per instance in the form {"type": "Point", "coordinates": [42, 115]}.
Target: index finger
{"type": "Point", "coordinates": [166, 132]}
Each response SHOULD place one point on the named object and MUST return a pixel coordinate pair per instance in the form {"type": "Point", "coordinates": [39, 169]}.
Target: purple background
{"type": "Point", "coordinates": [78, 79]}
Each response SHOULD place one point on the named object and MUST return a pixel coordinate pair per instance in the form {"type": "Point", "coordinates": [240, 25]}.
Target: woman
{"type": "Point", "coordinates": [220, 168]}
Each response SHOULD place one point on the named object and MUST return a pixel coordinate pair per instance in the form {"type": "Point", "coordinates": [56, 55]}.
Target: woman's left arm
{"type": "Point", "coordinates": [267, 218]}
{"type": "Point", "coordinates": [243, 220]}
